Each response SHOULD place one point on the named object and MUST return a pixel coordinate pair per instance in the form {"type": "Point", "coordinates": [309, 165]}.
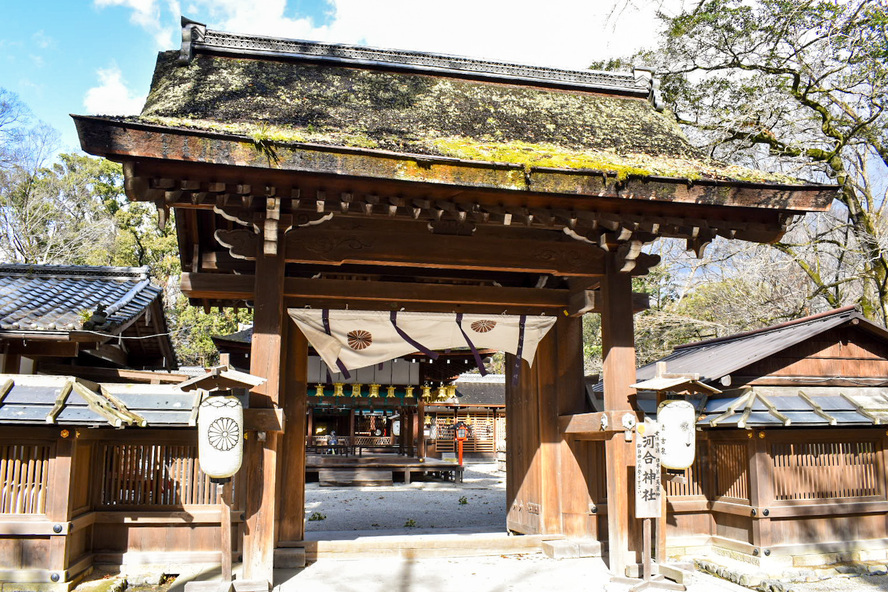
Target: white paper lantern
{"type": "Point", "coordinates": [677, 421]}
{"type": "Point", "coordinates": [220, 428]}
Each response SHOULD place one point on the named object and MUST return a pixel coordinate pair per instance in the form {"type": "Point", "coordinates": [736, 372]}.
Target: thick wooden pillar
{"type": "Point", "coordinates": [761, 489]}
{"type": "Point", "coordinates": [294, 400]}
{"type": "Point", "coordinates": [401, 416]}
{"type": "Point", "coordinates": [261, 448]}
{"type": "Point", "coordinates": [416, 431]}
{"type": "Point", "coordinates": [618, 369]}
{"type": "Point", "coordinates": [58, 502]}
{"type": "Point", "coordinates": [351, 427]}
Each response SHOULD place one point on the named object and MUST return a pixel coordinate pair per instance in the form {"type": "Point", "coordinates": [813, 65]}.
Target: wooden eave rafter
{"type": "Point", "coordinates": [241, 169]}
{"type": "Point", "coordinates": [746, 402]}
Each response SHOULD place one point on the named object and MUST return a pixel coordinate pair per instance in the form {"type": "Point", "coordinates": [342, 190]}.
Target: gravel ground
{"type": "Point", "coordinates": [478, 503]}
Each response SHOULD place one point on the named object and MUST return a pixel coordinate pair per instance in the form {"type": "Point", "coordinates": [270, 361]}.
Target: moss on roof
{"type": "Point", "coordinates": [277, 101]}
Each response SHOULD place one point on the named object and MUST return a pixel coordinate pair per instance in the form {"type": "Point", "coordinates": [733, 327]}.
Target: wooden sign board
{"type": "Point", "coordinates": [647, 470]}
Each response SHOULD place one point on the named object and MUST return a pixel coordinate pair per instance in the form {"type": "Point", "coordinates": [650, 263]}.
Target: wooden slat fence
{"type": "Point", "coordinates": [23, 476]}
{"type": "Point", "coordinates": [153, 475]}
{"type": "Point", "coordinates": [693, 485]}
{"type": "Point", "coordinates": [824, 470]}
{"type": "Point", "coordinates": [731, 470]}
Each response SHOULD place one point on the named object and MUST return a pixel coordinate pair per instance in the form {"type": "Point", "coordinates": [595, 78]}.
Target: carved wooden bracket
{"type": "Point", "coordinates": [241, 244]}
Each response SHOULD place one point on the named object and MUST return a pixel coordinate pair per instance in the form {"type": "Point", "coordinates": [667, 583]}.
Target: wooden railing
{"type": "Point", "coordinates": [369, 441]}
{"type": "Point", "coordinates": [153, 475]}
{"type": "Point", "coordinates": [23, 477]}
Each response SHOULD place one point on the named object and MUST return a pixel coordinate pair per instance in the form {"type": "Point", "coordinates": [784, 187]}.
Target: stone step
{"type": "Point", "coordinates": [571, 548]}
{"type": "Point", "coordinates": [346, 477]}
{"type": "Point", "coordinates": [289, 557]}
{"type": "Point", "coordinates": [424, 545]}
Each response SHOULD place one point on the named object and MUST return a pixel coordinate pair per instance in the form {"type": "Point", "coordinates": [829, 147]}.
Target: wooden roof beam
{"type": "Point", "coordinates": [382, 295]}
{"type": "Point", "coordinates": [326, 246]}
{"type": "Point", "coordinates": [589, 301]}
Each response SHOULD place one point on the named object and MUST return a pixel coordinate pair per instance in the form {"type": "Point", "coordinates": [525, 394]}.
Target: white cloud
{"type": "Point", "coordinates": [42, 40]}
{"type": "Point", "coordinates": [148, 15]}
{"type": "Point", "coordinates": [111, 96]}
{"type": "Point", "coordinates": [566, 33]}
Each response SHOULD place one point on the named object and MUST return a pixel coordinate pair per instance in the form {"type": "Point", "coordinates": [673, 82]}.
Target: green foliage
{"type": "Point", "coordinates": [193, 329]}
{"type": "Point", "coordinates": [317, 517]}
{"type": "Point", "coordinates": [74, 211]}
{"type": "Point", "coordinates": [411, 523]}
{"type": "Point", "coordinates": [463, 500]}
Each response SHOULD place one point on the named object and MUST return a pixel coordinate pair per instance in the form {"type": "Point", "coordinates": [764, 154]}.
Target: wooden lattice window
{"type": "Point", "coordinates": [23, 476]}
{"type": "Point", "coordinates": [824, 470]}
{"type": "Point", "coordinates": [481, 432]}
{"type": "Point", "coordinates": [731, 470]}
{"type": "Point", "coordinates": [153, 475]}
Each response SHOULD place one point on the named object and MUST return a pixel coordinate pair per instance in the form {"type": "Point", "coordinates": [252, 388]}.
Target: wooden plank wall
{"type": "Point", "coordinates": [842, 352]}
{"type": "Point", "coordinates": [523, 471]}
{"type": "Point", "coordinates": [788, 491]}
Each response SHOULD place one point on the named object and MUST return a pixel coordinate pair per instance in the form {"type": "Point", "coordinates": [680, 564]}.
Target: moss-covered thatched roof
{"type": "Point", "coordinates": [417, 113]}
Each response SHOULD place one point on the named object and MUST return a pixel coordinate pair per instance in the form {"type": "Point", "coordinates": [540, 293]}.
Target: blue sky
{"type": "Point", "coordinates": [97, 56]}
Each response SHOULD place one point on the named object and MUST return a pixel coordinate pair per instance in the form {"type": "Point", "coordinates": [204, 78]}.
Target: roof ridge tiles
{"type": "Point", "coordinates": [197, 38]}
{"type": "Point", "coordinates": [73, 271]}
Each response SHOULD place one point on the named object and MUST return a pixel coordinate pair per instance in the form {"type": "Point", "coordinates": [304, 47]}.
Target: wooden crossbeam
{"type": "Point", "coordinates": [59, 402]}
{"type": "Point", "coordinates": [589, 301]}
{"type": "Point", "coordinates": [390, 246]}
{"type": "Point", "coordinates": [862, 410]}
{"type": "Point", "coordinates": [388, 295]}
{"type": "Point", "coordinates": [5, 388]}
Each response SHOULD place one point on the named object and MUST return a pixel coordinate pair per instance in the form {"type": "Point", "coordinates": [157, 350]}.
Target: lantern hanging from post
{"type": "Point", "coordinates": [220, 427]}
{"type": "Point", "coordinates": [677, 419]}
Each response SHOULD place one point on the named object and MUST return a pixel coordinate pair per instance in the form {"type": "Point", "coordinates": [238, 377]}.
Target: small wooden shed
{"type": "Point", "coordinates": [99, 473]}
{"type": "Point", "coordinates": [480, 403]}
{"type": "Point", "coordinates": [791, 457]}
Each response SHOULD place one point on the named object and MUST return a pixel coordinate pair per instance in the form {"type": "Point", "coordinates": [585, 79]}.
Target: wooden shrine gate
{"type": "Point", "coordinates": [394, 195]}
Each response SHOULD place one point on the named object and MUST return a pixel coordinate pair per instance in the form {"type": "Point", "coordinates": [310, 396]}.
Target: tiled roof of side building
{"type": "Point", "coordinates": [715, 358]}
{"type": "Point", "coordinates": [60, 297]}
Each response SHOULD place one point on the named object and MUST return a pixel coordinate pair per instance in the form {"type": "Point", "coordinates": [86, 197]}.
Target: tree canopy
{"type": "Point", "coordinates": [799, 86]}
{"type": "Point", "coordinates": [71, 209]}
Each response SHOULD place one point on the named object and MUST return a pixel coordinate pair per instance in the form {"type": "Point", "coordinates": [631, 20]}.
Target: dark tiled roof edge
{"type": "Point", "coordinates": [73, 271]}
